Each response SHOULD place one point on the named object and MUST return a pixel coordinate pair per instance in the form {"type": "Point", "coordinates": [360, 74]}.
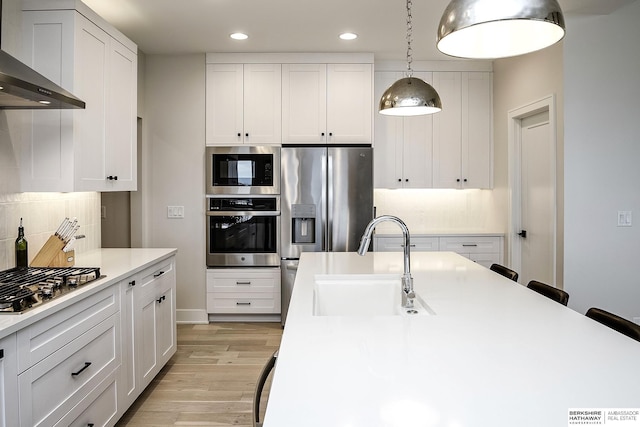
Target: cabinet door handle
{"type": "Point", "coordinates": [330, 133]}
{"type": "Point", "coordinates": [132, 283]}
{"type": "Point", "coordinates": [246, 134]}
{"type": "Point", "coordinates": [1, 353]}
{"type": "Point", "coordinates": [243, 283]}
{"type": "Point", "coordinates": [399, 179]}
{"type": "Point", "coordinates": [158, 274]}
{"type": "Point", "coordinates": [112, 177]}
{"type": "Point", "coordinates": [322, 134]}
{"type": "Point", "coordinates": [239, 134]}
{"type": "Point", "coordinates": [86, 365]}
{"type": "Point", "coordinates": [162, 298]}
{"type": "Point", "coordinates": [90, 425]}
{"type": "Point", "coordinates": [243, 303]}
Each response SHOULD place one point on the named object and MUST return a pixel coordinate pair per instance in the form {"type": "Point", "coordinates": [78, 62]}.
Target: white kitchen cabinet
{"type": "Point", "coordinates": [72, 352]}
{"type": "Point", "coordinates": [93, 149]}
{"type": "Point", "coordinates": [483, 249]}
{"type": "Point", "coordinates": [386, 243]}
{"type": "Point", "coordinates": [327, 103]}
{"type": "Point", "coordinates": [128, 385]}
{"type": "Point", "coordinates": [243, 291]}
{"type": "Point", "coordinates": [154, 320]}
{"type": "Point", "coordinates": [9, 382]}
{"type": "Point", "coordinates": [462, 131]}
{"type": "Point", "coordinates": [243, 104]}
{"type": "Point", "coordinates": [403, 145]}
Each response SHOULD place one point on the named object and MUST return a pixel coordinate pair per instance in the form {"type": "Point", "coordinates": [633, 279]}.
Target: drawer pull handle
{"type": "Point", "coordinates": [132, 283]}
{"type": "Point", "coordinates": [469, 245]}
{"type": "Point", "coordinates": [243, 283]}
{"type": "Point", "coordinates": [1, 353]}
{"type": "Point", "coordinates": [243, 303]}
{"type": "Point", "coordinates": [158, 274]}
{"type": "Point", "coordinates": [411, 245]}
{"type": "Point", "coordinates": [90, 425]}
{"type": "Point", "coordinates": [162, 298]}
{"type": "Point", "coordinates": [86, 365]}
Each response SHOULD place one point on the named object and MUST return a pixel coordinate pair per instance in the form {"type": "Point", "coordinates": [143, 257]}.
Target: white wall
{"type": "Point", "coordinates": [602, 151]}
{"type": "Point", "coordinates": [173, 170]}
{"type": "Point", "coordinates": [517, 82]}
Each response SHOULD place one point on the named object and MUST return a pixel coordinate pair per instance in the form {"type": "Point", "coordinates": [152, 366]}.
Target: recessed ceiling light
{"type": "Point", "coordinates": [239, 36]}
{"type": "Point", "coordinates": [348, 36]}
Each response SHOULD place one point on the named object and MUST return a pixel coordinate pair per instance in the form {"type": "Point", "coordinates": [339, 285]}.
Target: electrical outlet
{"type": "Point", "coordinates": [175, 211]}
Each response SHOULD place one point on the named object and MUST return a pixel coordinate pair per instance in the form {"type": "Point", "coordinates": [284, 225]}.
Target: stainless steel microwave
{"type": "Point", "coordinates": [242, 170]}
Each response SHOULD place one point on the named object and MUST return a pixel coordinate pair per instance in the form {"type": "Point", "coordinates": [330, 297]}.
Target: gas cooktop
{"type": "Point", "coordinates": [22, 289]}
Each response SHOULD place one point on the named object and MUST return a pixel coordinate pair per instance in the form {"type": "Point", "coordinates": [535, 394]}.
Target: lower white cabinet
{"type": "Point", "coordinates": [8, 382]}
{"type": "Point", "coordinates": [85, 364]}
{"type": "Point", "coordinates": [483, 249]}
{"type": "Point", "coordinates": [149, 331]}
{"type": "Point", "coordinates": [243, 291]}
{"type": "Point", "coordinates": [83, 350]}
{"type": "Point", "coordinates": [154, 320]}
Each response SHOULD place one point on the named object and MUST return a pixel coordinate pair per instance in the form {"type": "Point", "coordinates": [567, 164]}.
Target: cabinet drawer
{"type": "Point", "coordinates": [98, 408]}
{"type": "Point", "coordinates": [48, 335]}
{"type": "Point", "coordinates": [396, 244]}
{"type": "Point", "coordinates": [243, 281]}
{"type": "Point", "coordinates": [157, 279]}
{"type": "Point", "coordinates": [486, 259]}
{"type": "Point", "coordinates": [55, 385]}
{"type": "Point", "coordinates": [470, 245]}
{"type": "Point", "coordinates": [248, 303]}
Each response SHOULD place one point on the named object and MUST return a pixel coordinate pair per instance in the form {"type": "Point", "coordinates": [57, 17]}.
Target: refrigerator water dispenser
{"type": "Point", "coordinates": [303, 223]}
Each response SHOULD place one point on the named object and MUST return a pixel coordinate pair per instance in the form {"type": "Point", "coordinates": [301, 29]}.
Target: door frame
{"type": "Point", "coordinates": [515, 116]}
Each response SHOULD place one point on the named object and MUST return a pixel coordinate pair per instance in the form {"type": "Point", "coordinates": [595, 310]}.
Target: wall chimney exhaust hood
{"type": "Point", "coordinates": [24, 88]}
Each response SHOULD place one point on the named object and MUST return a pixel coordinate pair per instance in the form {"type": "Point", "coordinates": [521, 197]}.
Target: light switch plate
{"type": "Point", "coordinates": [624, 219]}
{"type": "Point", "coordinates": [175, 211]}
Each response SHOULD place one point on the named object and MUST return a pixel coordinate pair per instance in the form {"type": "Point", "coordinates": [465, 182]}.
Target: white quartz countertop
{"type": "Point", "coordinates": [114, 264]}
{"type": "Point", "coordinates": [494, 354]}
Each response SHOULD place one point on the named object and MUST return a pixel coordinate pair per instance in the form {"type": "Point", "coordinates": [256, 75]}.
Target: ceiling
{"type": "Point", "coordinates": [198, 26]}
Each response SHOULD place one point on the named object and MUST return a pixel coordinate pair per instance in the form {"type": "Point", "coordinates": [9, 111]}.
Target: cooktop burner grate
{"type": "Point", "coordinates": [25, 288]}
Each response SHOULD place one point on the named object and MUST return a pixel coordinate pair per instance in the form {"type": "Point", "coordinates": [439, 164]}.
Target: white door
{"type": "Point", "coordinates": [537, 201]}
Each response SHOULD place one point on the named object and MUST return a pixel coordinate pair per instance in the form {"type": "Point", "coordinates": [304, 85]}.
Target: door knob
{"type": "Point", "coordinates": [523, 234]}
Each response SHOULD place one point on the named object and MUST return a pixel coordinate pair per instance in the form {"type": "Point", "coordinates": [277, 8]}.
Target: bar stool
{"type": "Point", "coordinates": [558, 295]}
{"type": "Point", "coordinates": [504, 271]}
{"type": "Point", "coordinates": [262, 379]}
{"type": "Point", "coordinates": [615, 322]}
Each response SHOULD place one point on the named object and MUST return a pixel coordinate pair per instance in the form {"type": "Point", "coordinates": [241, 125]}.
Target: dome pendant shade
{"type": "Point", "coordinates": [489, 29]}
{"type": "Point", "coordinates": [410, 96]}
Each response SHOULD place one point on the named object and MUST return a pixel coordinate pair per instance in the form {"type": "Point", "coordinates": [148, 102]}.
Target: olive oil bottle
{"type": "Point", "coordinates": [22, 257]}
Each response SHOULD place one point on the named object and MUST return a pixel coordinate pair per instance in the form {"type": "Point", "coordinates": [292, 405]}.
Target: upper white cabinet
{"type": "Point", "coordinates": [93, 149]}
{"type": "Point", "coordinates": [403, 145]}
{"type": "Point", "coordinates": [462, 131]}
{"type": "Point", "coordinates": [449, 149]}
{"type": "Point", "coordinates": [327, 103]}
{"type": "Point", "coordinates": [243, 104]}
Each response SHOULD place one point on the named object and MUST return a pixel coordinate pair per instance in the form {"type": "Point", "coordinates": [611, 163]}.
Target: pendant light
{"type": "Point", "coordinates": [489, 29]}
{"type": "Point", "coordinates": [410, 96]}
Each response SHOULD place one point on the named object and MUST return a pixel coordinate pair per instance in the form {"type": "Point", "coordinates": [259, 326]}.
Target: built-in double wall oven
{"type": "Point", "coordinates": [243, 206]}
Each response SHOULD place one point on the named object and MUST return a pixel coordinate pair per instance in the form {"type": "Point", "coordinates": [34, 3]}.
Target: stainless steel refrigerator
{"type": "Point", "coordinates": [326, 201]}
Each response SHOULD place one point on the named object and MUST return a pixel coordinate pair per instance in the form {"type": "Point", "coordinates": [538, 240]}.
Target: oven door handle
{"type": "Point", "coordinates": [243, 213]}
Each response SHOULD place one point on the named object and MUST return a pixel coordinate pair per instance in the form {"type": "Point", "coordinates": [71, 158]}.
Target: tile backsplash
{"type": "Point", "coordinates": [439, 211]}
{"type": "Point", "coordinates": [41, 215]}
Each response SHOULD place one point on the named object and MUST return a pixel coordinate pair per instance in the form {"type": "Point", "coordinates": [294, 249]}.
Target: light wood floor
{"type": "Point", "coordinates": [210, 380]}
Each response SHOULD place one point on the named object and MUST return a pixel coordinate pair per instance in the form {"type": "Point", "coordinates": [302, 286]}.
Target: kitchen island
{"type": "Point", "coordinates": [491, 353]}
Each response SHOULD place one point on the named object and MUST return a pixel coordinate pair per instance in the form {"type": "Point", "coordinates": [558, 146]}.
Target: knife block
{"type": "Point", "coordinates": [52, 255]}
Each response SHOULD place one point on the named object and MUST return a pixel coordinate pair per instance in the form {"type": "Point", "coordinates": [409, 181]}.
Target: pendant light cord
{"type": "Point", "coordinates": [409, 37]}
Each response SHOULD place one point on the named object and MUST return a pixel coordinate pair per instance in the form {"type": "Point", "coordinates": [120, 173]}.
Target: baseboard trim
{"type": "Point", "coordinates": [191, 316]}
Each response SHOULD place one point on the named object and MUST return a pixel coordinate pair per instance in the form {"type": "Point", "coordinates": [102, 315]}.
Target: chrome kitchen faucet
{"type": "Point", "coordinates": [407, 281]}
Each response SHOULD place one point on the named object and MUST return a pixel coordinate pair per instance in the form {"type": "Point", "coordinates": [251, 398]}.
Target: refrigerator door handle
{"type": "Point", "coordinates": [327, 197]}
{"type": "Point", "coordinates": [330, 201]}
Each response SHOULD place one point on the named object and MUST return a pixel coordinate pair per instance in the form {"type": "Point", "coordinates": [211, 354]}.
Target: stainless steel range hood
{"type": "Point", "coordinates": [24, 88]}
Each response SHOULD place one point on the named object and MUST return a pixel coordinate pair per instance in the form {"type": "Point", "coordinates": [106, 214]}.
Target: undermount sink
{"type": "Point", "coordinates": [362, 295]}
